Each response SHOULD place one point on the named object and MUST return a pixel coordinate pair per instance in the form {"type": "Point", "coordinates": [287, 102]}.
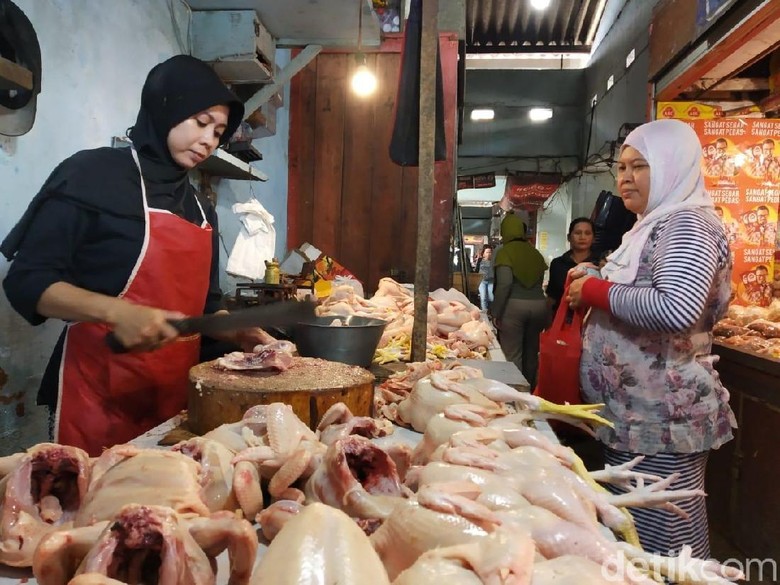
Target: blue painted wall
{"type": "Point", "coordinates": [96, 55]}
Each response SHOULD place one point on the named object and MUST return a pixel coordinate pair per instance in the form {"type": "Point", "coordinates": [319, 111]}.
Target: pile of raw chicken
{"type": "Point", "coordinates": [755, 329]}
{"type": "Point", "coordinates": [455, 329]}
{"type": "Point", "coordinates": [478, 496]}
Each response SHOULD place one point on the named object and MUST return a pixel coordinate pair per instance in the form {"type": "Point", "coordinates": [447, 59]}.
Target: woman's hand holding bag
{"type": "Point", "coordinates": [560, 348]}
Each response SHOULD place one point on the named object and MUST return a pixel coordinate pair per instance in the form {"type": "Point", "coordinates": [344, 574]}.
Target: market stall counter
{"type": "Point", "coordinates": [743, 475]}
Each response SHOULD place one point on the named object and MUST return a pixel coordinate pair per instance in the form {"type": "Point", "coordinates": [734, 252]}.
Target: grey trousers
{"type": "Point", "coordinates": [521, 324]}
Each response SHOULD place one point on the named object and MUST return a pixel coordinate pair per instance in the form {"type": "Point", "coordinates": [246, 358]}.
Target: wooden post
{"type": "Point", "coordinates": [429, 46]}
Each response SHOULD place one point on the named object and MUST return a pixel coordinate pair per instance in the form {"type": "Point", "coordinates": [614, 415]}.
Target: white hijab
{"type": "Point", "coordinates": [673, 152]}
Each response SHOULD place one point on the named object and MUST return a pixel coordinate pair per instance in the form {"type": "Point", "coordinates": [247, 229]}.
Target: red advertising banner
{"type": "Point", "coordinates": [530, 191]}
{"type": "Point", "coordinates": [741, 165]}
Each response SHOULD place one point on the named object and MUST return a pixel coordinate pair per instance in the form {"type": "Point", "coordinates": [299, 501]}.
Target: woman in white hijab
{"type": "Point", "coordinates": [647, 342]}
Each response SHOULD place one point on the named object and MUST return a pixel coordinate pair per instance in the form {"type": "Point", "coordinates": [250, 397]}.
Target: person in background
{"type": "Point", "coordinates": [580, 238]}
{"type": "Point", "coordinates": [485, 268]}
{"type": "Point", "coordinates": [117, 240]}
{"type": "Point", "coordinates": [519, 309]}
{"type": "Point", "coordinates": [647, 344]}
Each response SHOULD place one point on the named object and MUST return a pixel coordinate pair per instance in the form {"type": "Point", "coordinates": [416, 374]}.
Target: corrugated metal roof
{"type": "Point", "coordinates": [514, 26]}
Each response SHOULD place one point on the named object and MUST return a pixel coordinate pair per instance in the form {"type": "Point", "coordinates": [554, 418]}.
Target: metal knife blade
{"type": "Point", "coordinates": [271, 315]}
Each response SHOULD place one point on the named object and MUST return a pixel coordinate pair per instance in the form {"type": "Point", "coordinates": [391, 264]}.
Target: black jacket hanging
{"type": "Point", "coordinates": [404, 146]}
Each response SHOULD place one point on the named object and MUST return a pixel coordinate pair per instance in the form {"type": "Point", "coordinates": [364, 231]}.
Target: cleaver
{"type": "Point", "coordinates": [271, 315]}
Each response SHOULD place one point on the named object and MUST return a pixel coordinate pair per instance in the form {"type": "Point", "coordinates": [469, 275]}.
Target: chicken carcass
{"type": "Point", "coordinates": [151, 545]}
{"type": "Point", "coordinates": [453, 419]}
{"type": "Point", "coordinates": [432, 394]}
{"type": "Point", "coordinates": [390, 288]}
{"type": "Point", "coordinates": [504, 558]}
{"type": "Point", "coordinates": [216, 473]}
{"type": "Point", "coordinates": [320, 545]}
{"type": "Point", "coordinates": [573, 570]}
{"type": "Point", "coordinates": [125, 475]}
{"type": "Point", "coordinates": [475, 334]}
{"type": "Point", "coordinates": [555, 537]}
{"type": "Point", "coordinates": [415, 528]}
{"type": "Point", "coordinates": [286, 452]}
{"type": "Point", "coordinates": [452, 316]}
{"type": "Point", "coordinates": [42, 491]}
{"type": "Point", "coordinates": [357, 477]}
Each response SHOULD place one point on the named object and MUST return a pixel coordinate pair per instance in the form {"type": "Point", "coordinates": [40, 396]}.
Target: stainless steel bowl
{"type": "Point", "coordinates": [353, 342]}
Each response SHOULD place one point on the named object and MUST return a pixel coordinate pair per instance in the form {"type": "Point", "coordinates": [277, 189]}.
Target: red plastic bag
{"type": "Point", "coordinates": [560, 348]}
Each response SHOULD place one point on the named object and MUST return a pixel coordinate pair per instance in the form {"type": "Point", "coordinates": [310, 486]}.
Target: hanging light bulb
{"type": "Point", "coordinates": [363, 80]}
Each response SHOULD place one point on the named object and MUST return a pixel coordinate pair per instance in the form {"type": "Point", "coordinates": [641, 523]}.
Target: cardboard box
{"type": "Point", "coordinates": [328, 269]}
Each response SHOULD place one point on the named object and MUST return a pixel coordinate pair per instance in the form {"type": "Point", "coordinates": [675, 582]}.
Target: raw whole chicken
{"type": "Point", "coordinates": [453, 315]}
{"type": "Point", "coordinates": [286, 451]}
{"type": "Point", "coordinates": [321, 545]}
{"type": "Point", "coordinates": [573, 570]}
{"type": "Point", "coordinates": [413, 529]}
{"type": "Point", "coordinates": [475, 334]}
{"type": "Point", "coordinates": [42, 490]}
{"type": "Point", "coordinates": [539, 477]}
{"type": "Point", "coordinates": [125, 475]}
{"type": "Point", "coordinates": [440, 427]}
{"type": "Point", "coordinates": [357, 477]}
{"type": "Point", "coordinates": [151, 545]}
{"type": "Point", "coordinates": [504, 558]}
{"type": "Point", "coordinates": [496, 492]}
{"type": "Point", "coordinates": [432, 394]}
{"type": "Point", "coordinates": [555, 537]}
{"type": "Point", "coordinates": [388, 287]}
{"type": "Point", "coordinates": [216, 472]}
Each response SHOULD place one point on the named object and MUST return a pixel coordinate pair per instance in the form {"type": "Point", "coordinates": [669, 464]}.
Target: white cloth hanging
{"type": "Point", "coordinates": [255, 242]}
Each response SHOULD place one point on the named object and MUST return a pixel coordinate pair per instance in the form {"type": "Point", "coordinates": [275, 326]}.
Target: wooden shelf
{"type": "Point", "coordinates": [224, 164]}
{"type": "Point", "coordinates": [220, 164]}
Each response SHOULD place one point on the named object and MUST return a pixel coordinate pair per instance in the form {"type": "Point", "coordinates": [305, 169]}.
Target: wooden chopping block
{"type": "Point", "coordinates": [310, 386]}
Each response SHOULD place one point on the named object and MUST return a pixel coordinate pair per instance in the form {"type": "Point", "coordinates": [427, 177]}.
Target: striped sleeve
{"type": "Point", "coordinates": [690, 249]}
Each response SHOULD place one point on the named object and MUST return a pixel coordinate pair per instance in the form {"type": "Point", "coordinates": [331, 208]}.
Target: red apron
{"type": "Point", "coordinates": [106, 398]}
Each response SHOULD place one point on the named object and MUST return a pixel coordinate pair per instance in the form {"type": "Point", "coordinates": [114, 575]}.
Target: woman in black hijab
{"type": "Point", "coordinates": [118, 240]}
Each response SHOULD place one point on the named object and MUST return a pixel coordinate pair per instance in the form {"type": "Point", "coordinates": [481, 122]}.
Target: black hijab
{"type": "Point", "coordinates": [106, 179]}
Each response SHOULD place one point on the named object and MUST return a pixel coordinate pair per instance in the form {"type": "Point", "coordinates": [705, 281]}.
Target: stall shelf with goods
{"type": "Point", "coordinates": [743, 475]}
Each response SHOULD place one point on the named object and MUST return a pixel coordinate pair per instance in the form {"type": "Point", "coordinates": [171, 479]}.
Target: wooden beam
{"type": "Point", "coordinates": [734, 84]}
{"type": "Point", "coordinates": [300, 61]}
{"type": "Point", "coordinates": [429, 46]}
{"type": "Point", "coordinates": [740, 46]}
{"type": "Point", "coordinates": [14, 76]}
{"type": "Point", "coordinates": [713, 95]}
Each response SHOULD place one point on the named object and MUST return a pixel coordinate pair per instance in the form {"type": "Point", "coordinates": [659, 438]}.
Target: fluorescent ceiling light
{"type": "Point", "coordinates": [630, 58]}
{"type": "Point", "coordinates": [540, 114]}
{"type": "Point", "coordinates": [485, 114]}
{"type": "Point", "coordinates": [555, 61]}
{"type": "Point", "coordinates": [540, 4]}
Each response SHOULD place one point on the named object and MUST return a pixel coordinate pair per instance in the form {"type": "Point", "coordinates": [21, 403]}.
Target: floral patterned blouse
{"type": "Point", "coordinates": [649, 361]}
